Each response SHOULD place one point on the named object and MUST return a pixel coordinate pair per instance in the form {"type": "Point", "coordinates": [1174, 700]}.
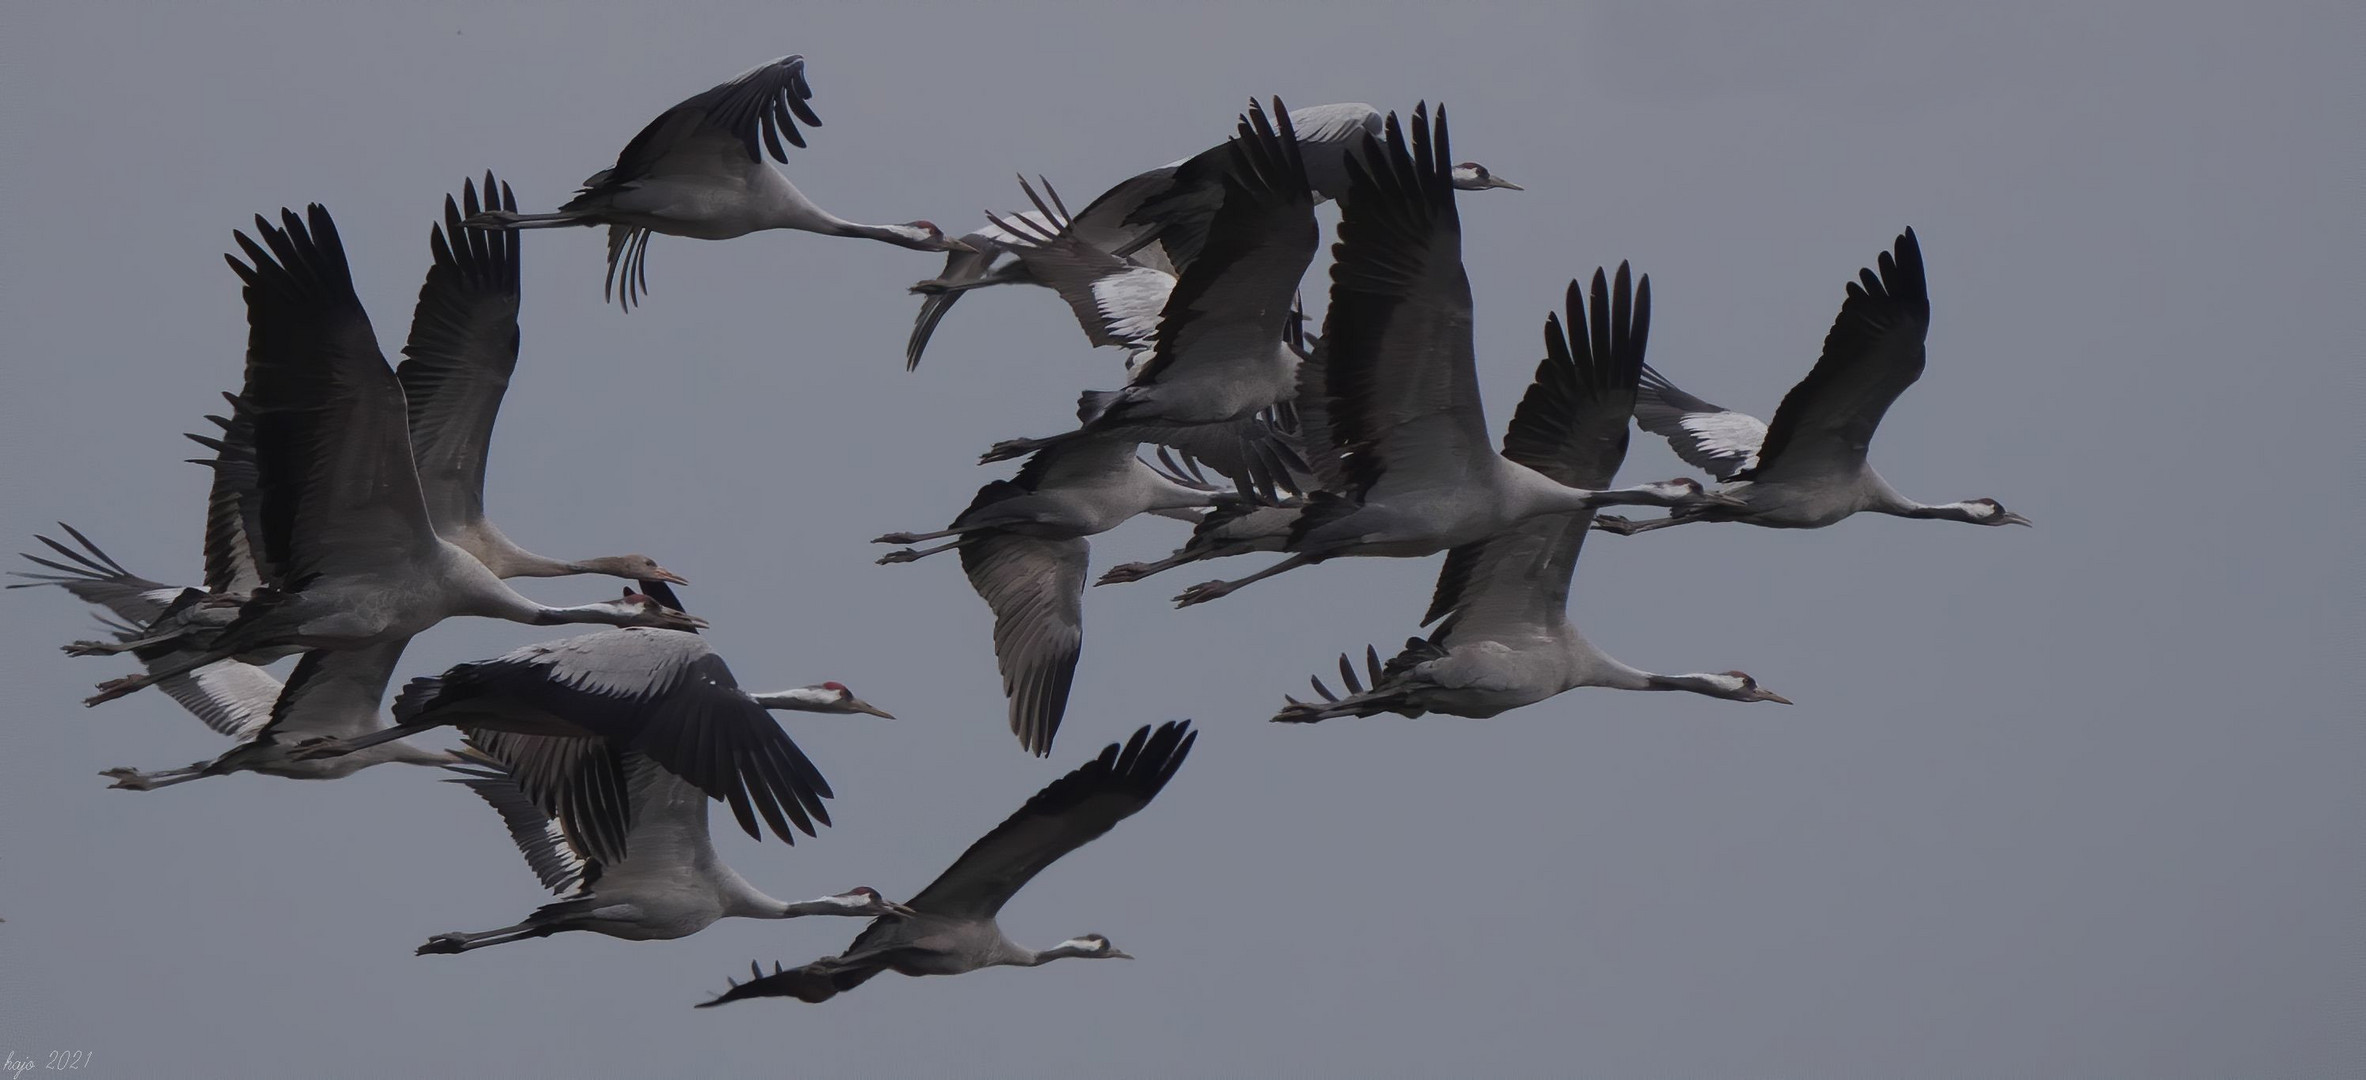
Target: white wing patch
{"type": "Point", "coordinates": [231, 697]}
{"type": "Point", "coordinates": [1727, 435]}
{"type": "Point", "coordinates": [1130, 304]}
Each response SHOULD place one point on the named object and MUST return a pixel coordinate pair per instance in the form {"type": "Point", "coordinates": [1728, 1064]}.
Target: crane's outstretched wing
{"type": "Point", "coordinates": [1711, 438]}
{"type": "Point", "coordinates": [555, 862]}
{"type": "Point", "coordinates": [661, 693]}
{"type": "Point", "coordinates": [232, 698]}
{"type": "Point", "coordinates": [333, 469]}
{"type": "Point", "coordinates": [1872, 354]}
{"type": "Point", "coordinates": [334, 695]}
{"type": "Point", "coordinates": [1075, 810]}
{"type": "Point", "coordinates": [1229, 307]}
{"type": "Point", "coordinates": [765, 102]}
{"type": "Point", "coordinates": [1168, 212]}
{"type": "Point", "coordinates": [1035, 588]}
{"type": "Point", "coordinates": [463, 347]}
{"type": "Point", "coordinates": [1570, 426]}
{"type": "Point", "coordinates": [233, 505]}
{"type": "Point", "coordinates": [1397, 381]}
{"type": "Point", "coordinates": [1117, 301]}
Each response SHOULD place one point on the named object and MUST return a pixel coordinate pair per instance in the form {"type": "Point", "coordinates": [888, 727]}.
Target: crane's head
{"type": "Point", "coordinates": [1090, 947]}
{"type": "Point", "coordinates": [1472, 176]}
{"type": "Point", "coordinates": [835, 697]}
{"type": "Point", "coordinates": [643, 610]}
{"type": "Point", "coordinates": [923, 236]}
{"type": "Point", "coordinates": [1739, 686]}
{"type": "Point", "coordinates": [865, 900]}
{"type": "Point", "coordinates": [630, 567]}
{"type": "Point", "coordinates": [1989, 512]}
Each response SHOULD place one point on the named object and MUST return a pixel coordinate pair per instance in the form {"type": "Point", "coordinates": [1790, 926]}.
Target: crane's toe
{"type": "Point", "coordinates": [1124, 572]}
{"type": "Point", "coordinates": [1203, 592]}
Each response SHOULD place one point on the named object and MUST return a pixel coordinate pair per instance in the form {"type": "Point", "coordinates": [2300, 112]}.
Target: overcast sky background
{"type": "Point", "coordinates": [2078, 800]}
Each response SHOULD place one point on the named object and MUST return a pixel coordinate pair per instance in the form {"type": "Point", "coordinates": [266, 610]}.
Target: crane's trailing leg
{"type": "Point", "coordinates": [1136, 571]}
{"type": "Point", "coordinates": [115, 688]}
{"type": "Point", "coordinates": [906, 555]}
{"type": "Point", "coordinates": [461, 941]}
{"type": "Point", "coordinates": [130, 779]}
{"type": "Point", "coordinates": [1013, 448]}
{"type": "Point", "coordinates": [916, 538]}
{"type": "Point", "coordinates": [1211, 590]}
{"type": "Point", "coordinates": [1612, 523]}
{"type": "Point", "coordinates": [511, 219]}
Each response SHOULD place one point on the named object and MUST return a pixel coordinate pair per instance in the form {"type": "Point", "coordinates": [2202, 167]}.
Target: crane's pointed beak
{"type": "Point", "coordinates": [1500, 182]}
{"type": "Point", "coordinates": [901, 911]}
{"type": "Point", "coordinates": [960, 245]}
{"type": "Point", "coordinates": [1769, 695]}
{"type": "Point", "coordinates": [2011, 518]}
{"type": "Point", "coordinates": [684, 620]}
{"type": "Point", "coordinates": [1118, 954]}
{"type": "Point", "coordinates": [668, 576]}
{"type": "Point", "coordinates": [861, 706]}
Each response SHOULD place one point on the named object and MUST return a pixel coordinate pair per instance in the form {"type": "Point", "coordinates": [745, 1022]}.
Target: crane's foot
{"type": "Point", "coordinates": [900, 555]}
{"type": "Point", "coordinates": [1299, 712]}
{"type": "Point", "coordinates": [1012, 448]}
{"type": "Point", "coordinates": [1612, 523]}
{"type": "Point", "coordinates": [1204, 592]}
{"type": "Point", "coordinates": [129, 779]}
{"type": "Point", "coordinates": [897, 538]}
{"type": "Point", "coordinates": [1125, 572]}
{"type": "Point", "coordinates": [443, 945]}
{"type": "Point", "coordinates": [93, 648]}
{"type": "Point", "coordinates": [115, 688]}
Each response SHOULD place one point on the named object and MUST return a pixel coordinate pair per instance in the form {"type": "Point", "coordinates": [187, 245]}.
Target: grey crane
{"type": "Point", "coordinates": [952, 927]}
{"type": "Point", "coordinates": [331, 695]}
{"type": "Point", "coordinates": [1808, 469]}
{"type": "Point", "coordinates": [351, 558]}
{"type": "Point", "coordinates": [595, 698]}
{"type": "Point", "coordinates": [698, 171]}
{"type": "Point", "coordinates": [1159, 219]}
{"type": "Point", "coordinates": [1503, 637]}
{"type": "Point", "coordinates": [1403, 440]}
{"type": "Point", "coordinates": [672, 883]}
{"type": "Point", "coordinates": [1023, 547]}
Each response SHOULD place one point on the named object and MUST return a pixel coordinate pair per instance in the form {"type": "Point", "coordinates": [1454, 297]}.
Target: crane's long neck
{"type": "Point", "coordinates": [1955, 511]}
{"type": "Point", "coordinates": [1597, 668]}
{"type": "Point", "coordinates": [607, 614]}
{"type": "Point", "coordinates": [1024, 957]}
{"type": "Point", "coordinates": [527, 564]}
{"type": "Point", "coordinates": [745, 901]}
{"type": "Point", "coordinates": [1530, 493]}
{"type": "Point", "coordinates": [1881, 498]}
{"type": "Point", "coordinates": [483, 593]}
{"type": "Point", "coordinates": [792, 210]}
{"type": "Point", "coordinates": [1717, 686]}
{"type": "Point", "coordinates": [802, 699]}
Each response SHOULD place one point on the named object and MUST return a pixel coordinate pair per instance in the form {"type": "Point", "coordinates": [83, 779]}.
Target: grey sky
{"type": "Point", "coordinates": [2081, 800]}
